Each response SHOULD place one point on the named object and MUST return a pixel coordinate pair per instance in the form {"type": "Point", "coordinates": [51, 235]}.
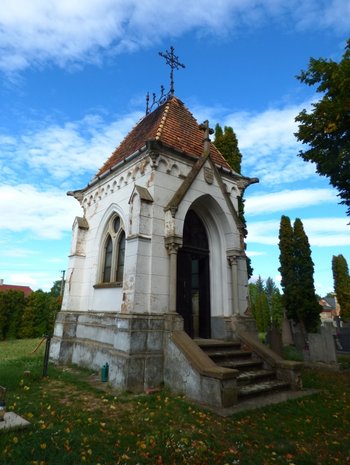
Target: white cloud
{"type": "Point", "coordinates": [321, 232]}
{"type": "Point", "coordinates": [269, 146]}
{"type": "Point", "coordinates": [263, 232]}
{"type": "Point", "coordinates": [254, 253]}
{"type": "Point", "coordinates": [288, 200]}
{"type": "Point", "coordinates": [35, 280]}
{"type": "Point", "coordinates": [72, 31]}
{"type": "Point", "coordinates": [18, 253]}
{"type": "Point", "coordinates": [325, 232]}
{"type": "Point", "coordinates": [326, 14]}
{"type": "Point", "coordinates": [45, 214]}
{"type": "Point", "coordinates": [74, 148]}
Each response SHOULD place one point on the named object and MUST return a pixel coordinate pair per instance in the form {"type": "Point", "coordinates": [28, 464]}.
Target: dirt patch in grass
{"type": "Point", "coordinates": [90, 402]}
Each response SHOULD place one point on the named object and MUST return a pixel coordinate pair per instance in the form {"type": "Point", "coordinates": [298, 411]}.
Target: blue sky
{"type": "Point", "coordinates": [73, 80]}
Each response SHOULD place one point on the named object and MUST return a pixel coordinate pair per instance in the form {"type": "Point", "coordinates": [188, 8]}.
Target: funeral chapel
{"type": "Point", "coordinates": [157, 261]}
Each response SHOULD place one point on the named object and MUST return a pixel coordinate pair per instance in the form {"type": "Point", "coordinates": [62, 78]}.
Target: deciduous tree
{"type": "Point", "coordinates": [12, 304]}
{"type": "Point", "coordinates": [325, 129]}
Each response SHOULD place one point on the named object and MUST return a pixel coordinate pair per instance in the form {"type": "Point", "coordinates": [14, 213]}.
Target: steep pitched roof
{"type": "Point", "coordinates": [171, 124]}
{"type": "Point", "coordinates": [13, 287]}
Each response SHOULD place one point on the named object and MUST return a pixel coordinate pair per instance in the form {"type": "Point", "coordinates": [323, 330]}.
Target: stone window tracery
{"type": "Point", "coordinates": [112, 269]}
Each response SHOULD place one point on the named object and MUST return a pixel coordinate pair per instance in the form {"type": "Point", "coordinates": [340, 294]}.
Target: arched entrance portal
{"type": "Point", "coordinates": [193, 287]}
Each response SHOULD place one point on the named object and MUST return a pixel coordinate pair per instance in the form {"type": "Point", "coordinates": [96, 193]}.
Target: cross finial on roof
{"type": "Point", "coordinates": [173, 61]}
{"type": "Point", "coordinates": [206, 140]}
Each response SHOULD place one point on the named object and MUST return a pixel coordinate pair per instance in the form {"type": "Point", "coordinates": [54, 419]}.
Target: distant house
{"type": "Point", "coordinates": [13, 287]}
{"type": "Point", "coordinates": [330, 308]}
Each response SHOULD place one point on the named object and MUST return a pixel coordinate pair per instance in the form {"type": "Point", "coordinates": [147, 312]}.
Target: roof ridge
{"type": "Point", "coordinates": [163, 120]}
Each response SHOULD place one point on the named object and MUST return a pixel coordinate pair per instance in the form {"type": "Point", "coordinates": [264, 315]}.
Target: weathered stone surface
{"type": "Point", "coordinates": [154, 371]}
{"type": "Point", "coordinates": [322, 345]}
{"type": "Point", "coordinates": [13, 421]}
{"type": "Point", "coordinates": [189, 370]}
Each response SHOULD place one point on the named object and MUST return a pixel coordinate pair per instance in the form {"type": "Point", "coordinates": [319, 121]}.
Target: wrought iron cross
{"type": "Point", "coordinates": [173, 61]}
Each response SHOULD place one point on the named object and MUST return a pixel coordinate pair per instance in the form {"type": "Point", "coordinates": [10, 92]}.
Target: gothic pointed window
{"type": "Point", "coordinates": [108, 259]}
{"type": "Point", "coordinates": [121, 254]}
{"type": "Point", "coordinates": [113, 252]}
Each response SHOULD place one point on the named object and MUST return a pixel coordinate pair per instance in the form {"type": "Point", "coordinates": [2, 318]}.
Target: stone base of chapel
{"type": "Point", "coordinates": [145, 351]}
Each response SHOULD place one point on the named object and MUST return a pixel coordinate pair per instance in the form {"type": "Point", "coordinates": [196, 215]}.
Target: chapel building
{"type": "Point", "coordinates": [158, 261]}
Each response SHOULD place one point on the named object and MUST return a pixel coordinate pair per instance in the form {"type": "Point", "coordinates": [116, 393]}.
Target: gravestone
{"type": "Point", "coordinates": [275, 338]}
{"type": "Point", "coordinates": [322, 346]}
{"type": "Point", "coordinates": [287, 336]}
{"type": "Point", "coordinates": [299, 337]}
{"type": "Point", "coordinates": [343, 339]}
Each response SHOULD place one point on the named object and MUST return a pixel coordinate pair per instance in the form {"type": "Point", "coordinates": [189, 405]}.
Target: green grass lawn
{"type": "Point", "coordinates": [74, 423]}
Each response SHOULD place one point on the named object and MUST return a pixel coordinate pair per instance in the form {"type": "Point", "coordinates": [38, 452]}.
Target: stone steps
{"type": "Point", "coordinates": [254, 379]}
{"type": "Point", "coordinates": [241, 364]}
{"type": "Point", "coordinates": [258, 375]}
{"type": "Point", "coordinates": [261, 388]}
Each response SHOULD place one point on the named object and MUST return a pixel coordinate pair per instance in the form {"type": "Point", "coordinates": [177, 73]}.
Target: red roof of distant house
{"type": "Point", "coordinates": [171, 124]}
{"type": "Point", "coordinates": [12, 287]}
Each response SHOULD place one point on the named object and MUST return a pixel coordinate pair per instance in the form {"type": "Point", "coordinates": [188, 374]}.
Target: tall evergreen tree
{"type": "Point", "coordinates": [287, 265]}
{"type": "Point", "coordinates": [308, 309]}
{"type": "Point", "coordinates": [276, 309]}
{"type": "Point", "coordinates": [227, 143]}
{"type": "Point", "coordinates": [270, 288]}
{"type": "Point", "coordinates": [260, 285]}
{"type": "Point", "coordinates": [342, 284]}
{"type": "Point", "coordinates": [297, 271]}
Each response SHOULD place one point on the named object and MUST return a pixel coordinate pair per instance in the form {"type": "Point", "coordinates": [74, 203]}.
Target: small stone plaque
{"type": "Point", "coordinates": [208, 175]}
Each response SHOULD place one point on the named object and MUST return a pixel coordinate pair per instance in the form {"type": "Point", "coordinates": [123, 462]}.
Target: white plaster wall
{"type": "Point", "coordinates": [106, 300]}
{"type": "Point", "coordinates": [72, 297]}
{"type": "Point", "coordinates": [146, 273]}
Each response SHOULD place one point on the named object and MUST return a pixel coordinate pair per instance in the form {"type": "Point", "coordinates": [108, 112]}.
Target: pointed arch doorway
{"type": "Point", "coordinates": [193, 278]}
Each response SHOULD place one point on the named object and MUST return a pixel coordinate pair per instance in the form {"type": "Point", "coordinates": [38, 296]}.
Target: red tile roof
{"type": "Point", "coordinates": [12, 287]}
{"type": "Point", "coordinates": [171, 124]}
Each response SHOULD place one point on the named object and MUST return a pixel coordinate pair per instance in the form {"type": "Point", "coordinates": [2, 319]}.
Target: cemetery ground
{"type": "Point", "coordinates": [74, 422]}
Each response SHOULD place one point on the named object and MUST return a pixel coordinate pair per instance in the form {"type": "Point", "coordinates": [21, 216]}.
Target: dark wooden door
{"type": "Point", "coordinates": [193, 278]}
{"type": "Point", "coordinates": [184, 290]}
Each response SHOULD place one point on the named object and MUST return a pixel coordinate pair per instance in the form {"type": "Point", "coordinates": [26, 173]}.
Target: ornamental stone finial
{"type": "Point", "coordinates": [207, 132]}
